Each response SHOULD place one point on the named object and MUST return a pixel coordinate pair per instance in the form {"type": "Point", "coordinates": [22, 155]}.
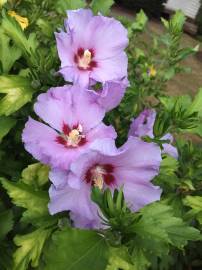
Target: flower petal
{"type": "Point", "coordinates": [113, 68]}
{"type": "Point", "coordinates": [107, 36]}
{"type": "Point", "coordinates": [143, 124]}
{"type": "Point", "coordinates": [111, 94]}
{"type": "Point", "coordinates": [76, 200]}
{"type": "Point", "coordinates": [139, 195]}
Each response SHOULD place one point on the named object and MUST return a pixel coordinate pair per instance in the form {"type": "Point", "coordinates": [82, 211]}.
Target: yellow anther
{"type": "Point", "coordinates": [23, 21]}
{"type": "Point", "coordinates": [74, 137]}
{"type": "Point", "coordinates": [98, 181]}
{"type": "Point", "coordinates": [87, 55]}
{"type": "Point", "coordinates": [85, 60]}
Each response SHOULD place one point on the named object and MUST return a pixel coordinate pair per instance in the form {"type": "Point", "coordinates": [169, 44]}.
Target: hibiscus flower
{"type": "Point", "coordinates": [92, 48]}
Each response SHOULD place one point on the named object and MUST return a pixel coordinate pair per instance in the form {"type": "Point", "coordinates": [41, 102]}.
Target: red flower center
{"type": "Point", "coordinates": [84, 59]}
{"type": "Point", "coordinates": [100, 174]}
{"type": "Point", "coordinates": [71, 138]}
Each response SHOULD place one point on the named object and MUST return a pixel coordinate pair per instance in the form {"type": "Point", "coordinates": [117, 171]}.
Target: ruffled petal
{"type": "Point", "coordinates": [143, 124]}
{"type": "Point", "coordinates": [114, 68]}
{"type": "Point", "coordinates": [65, 49]}
{"type": "Point", "coordinates": [107, 36]}
{"type": "Point", "coordinates": [111, 94]}
{"type": "Point", "coordinates": [55, 107]}
{"type": "Point", "coordinates": [139, 195]}
{"type": "Point", "coordinates": [75, 200]}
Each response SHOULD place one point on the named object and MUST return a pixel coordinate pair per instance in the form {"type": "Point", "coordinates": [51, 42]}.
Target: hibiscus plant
{"type": "Point", "coordinates": [100, 166]}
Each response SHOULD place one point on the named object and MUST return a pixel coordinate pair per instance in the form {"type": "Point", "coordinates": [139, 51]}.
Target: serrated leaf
{"type": "Point", "coordinates": [30, 248]}
{"type": "Point", "coordinates": [120, 259]}
{"type": "Point", "coordinates": [168, 165]}
{"type": "Point", "coordinates": [140, 21]}
{"type": "Point", "coordinates": [63, 5]}
{"type": "Point", "coordinates": [6, 123]}
{"type": "Point", "coordinates": [101, 6]}
{"type": "Point", "coordinates": [195, 202]}
{"type": "Point", "coordinates": [140, 261]}
{"type": "Point", "coordinates": [6, 223]}
{"type": "Point", "coordinates": [34, 201]}
{"type": "Point", "coordinates": [8, 53]}
{"type": "Point", "coordinates": [158, 228]}
{"type": "Point", "coordinates": [17, 92]}
{"type": "Point", "coordinates": [74, 249]}
{"type": "Point", "coordinates": [35, 175]}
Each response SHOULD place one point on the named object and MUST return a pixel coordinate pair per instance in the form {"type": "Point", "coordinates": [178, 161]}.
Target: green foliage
{"type": "Point", "coordinates": [17, 92]}
{"type": "Point", "coordinates": [6, 223]}
{"type": "Point", "coordinates": [158, 237]}
{"type": "Point", "coordinates": [28, 45]}
{"type": "Point", "coordinates": [76, 250]}
{"type": "Point", "coordinates": [149, 233]}
{"type": "Point", "coordinates": [195, 202]}
{"type": "Point", "coordinates": [34, 201]}
{"type": "Point", "coordinates": [35, 175]}
{"type": "Point", "coordinates": [8, 53]}
{"type": "Point", "coordinates": [157, 228]}
{"type": "Point", "coordinates": [6, 123]}
{"type": "Point", "coordinates": [30, 248]}
{"type": "Point", "coordinates": [101, 6]}
{"type": "Point", "coordinates": [63, 5]}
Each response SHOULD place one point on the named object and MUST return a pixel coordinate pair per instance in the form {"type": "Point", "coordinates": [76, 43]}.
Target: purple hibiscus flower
{"type": "Point", "coordinates": [143, 126]}
{"type": "Point", "coordinates": [73, 121]}
{"type": "Point", "coordinates": [92, 48]}
{"type": "Point", "coordinates": [132, 166]}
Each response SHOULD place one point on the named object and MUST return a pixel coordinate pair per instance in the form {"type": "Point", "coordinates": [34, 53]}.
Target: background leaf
{"type": "Point", "coordinates": [6, 123]}
{"type": "Point", "coordinates": [101, 6]}
{"type": "Point", "coordinates": [30, 248]}
{"type": "Point", "coordinates": [63, 5]}
{"type": "Point", "coordinates": [18, 92]}
{"type": "Point", "coordinates": [74, 249]}
{"type": "Point", "coordinates": [35, 174]}
{"type": "Point", "coordinates": [8, 53]}
{"type": "Point", "coordinates": [6, 223]}
{"type": "Point", "coordinates": [34, 201]}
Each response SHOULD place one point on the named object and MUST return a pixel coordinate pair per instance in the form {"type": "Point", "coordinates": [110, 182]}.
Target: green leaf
{"type": "Point", "coordinates": [120, 259]}
{"type": "Point", "coordinates": [140, 21]}
{"type": "Point", "coordinates": [18, 92]}
{"type": "Point", "coordinates": [63, 5]}
{"type": "Point", "coordinates": [8, 53]}
{"type": "Point", "coordinates": [35, 175]}
{"type": "Point", "coordinates": [6, 123]}
{"type": "Point", "coordinates": [196, 105]}
{"type": "Point", "coordinates": [195, 202]}
{"type": "Point", "coordinates": [169, 165]}
{"type": "Point", "coordinates": [101, 6]}
{"type": "Point", "coordinates": [34, 201]}
{"type": "Point", "coordinates": [6, 223]}
{"type": "Point", "coordinates": [30, 248]}
{"type": "Point", "coordinates": [140, 261]}
{"type": "Point", "coordinates": [28, 45]}
{"type": "Point", "coordinates": [74, 249]}
{"type": "Point", "coordinates": [177, 22]}
{"type": "Point", "coordinates": [6, 251]}
{"type": "Point", "coordinates": [158, 228]}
